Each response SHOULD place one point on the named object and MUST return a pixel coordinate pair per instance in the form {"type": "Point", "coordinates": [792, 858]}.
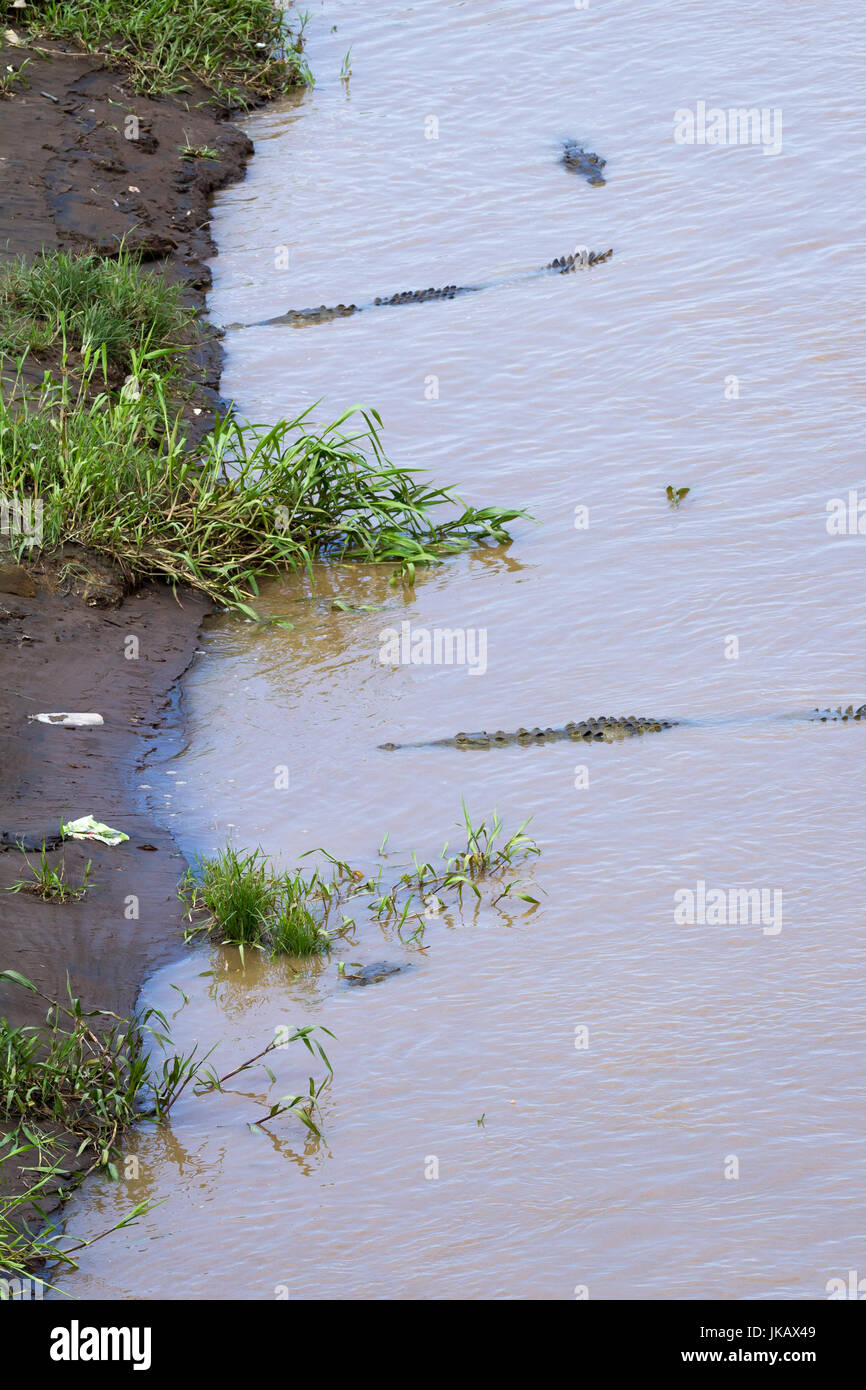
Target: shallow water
{"type": "Point", "coordinates": [601, 1168]}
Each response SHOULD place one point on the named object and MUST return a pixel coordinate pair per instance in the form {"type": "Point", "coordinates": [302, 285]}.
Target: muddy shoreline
{"type": "Point", "coordinates": [73, 179]}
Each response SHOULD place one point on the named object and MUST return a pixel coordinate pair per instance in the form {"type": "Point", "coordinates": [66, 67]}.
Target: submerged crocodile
{"type": "Point", "coordinates": [579, 259]}
{"type": "Point", "coordinates": [605, 729]}
{"type": "Point", "coordinates": [581, 161]}
{"type": "Point", "coordinates": [373, 974]}
{"type": "Point", "coordinates": [574, 157]}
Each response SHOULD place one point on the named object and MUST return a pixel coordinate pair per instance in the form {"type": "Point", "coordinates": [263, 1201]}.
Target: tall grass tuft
{"type": "Point", "coordinates": [88, 302]}
{"type": "Point", "coordinates": [238, 892]}
{"type": "Point", "coordinates": [114, 475]}
{"type": "Point", "coordinates": [72, 1076]}
{"type": "Point", "coordinates": [294, 930]}
{"type": "Point", "coordinates": [248, 903]}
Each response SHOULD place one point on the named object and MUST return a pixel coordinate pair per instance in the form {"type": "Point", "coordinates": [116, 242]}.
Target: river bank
{"type": "Point", "coordinates": [87, 163]}
{"type": "Point", "coordinates": [157, 505]}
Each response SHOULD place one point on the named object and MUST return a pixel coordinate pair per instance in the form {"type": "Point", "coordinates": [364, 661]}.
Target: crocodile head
{"type": "Point", "coordinates": [480, 739]}
{"type": "Point", "coordinates": [298, 318]}
{"type": "Point", "coordinates": [581, 161]}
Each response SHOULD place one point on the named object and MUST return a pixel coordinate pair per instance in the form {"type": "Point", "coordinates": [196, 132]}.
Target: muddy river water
{"type": "Point", "coordinates": [672, 1109]}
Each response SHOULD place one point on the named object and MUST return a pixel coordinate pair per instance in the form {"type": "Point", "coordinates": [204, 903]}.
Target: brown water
{"type": "Point", "coordinates": [603, 1167]}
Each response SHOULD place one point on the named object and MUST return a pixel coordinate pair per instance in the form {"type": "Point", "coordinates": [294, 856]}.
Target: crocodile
{"type": "Point", "coordinates": [580, 161]}
{"type": "Point", "coordinates": [579, 259]}
{"type": "Point", "coordinates": [574, 157]}
{"type": "Point", "coordinates": [605, 729]}
{"type": "Point", "coordinates": [373, 974]}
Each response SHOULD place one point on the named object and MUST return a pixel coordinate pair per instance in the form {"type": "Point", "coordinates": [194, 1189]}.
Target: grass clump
{"type": "Point", "coordinates": [303, 914]}
{"type": "Point", "coordinates": [237, 48]}
{"type": "Point", "coordinates": [114, 475]}
{"type": "Point", "coordinates": [51, 884]}
{"type": "Point", "coordinates": [238, 892]}
{"type": "Point", "coordinates": [89, 303]}
{"type": "Point", "coordinates": [422, 892]}
{"type": "Point", "coordinates": [249, 904]}
{"type": "Point", "coordinates": [10, 77]}
{"type": "Point", "coordinates": [294, 930]}
{"type": "Point", "coordinates": [189, 151]}
{"type": "Point", "coordinates": [69, 1091]}
{"type": "Point", "coordinates": [74, 1078]}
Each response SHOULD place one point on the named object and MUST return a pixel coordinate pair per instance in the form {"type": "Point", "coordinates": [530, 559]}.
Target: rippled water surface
{"type": "Point", "coordinates": [711, 1047]}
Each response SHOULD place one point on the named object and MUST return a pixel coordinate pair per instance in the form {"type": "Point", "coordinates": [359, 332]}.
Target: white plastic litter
{"type": "Point", "coordinates": [86, 828]}
{"type": "Point", "coordinates": [69, 721]}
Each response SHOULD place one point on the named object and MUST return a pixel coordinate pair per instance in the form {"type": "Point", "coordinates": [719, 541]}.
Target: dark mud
{"type": "Point", "coordinates": [57, 653]}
